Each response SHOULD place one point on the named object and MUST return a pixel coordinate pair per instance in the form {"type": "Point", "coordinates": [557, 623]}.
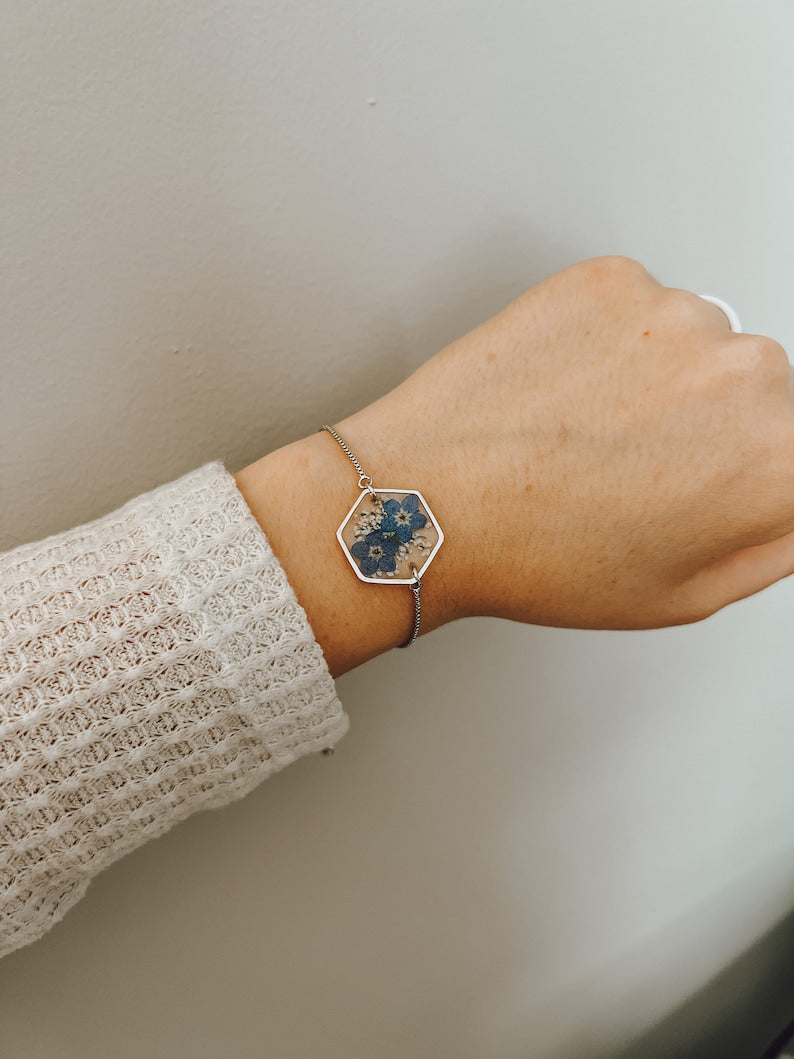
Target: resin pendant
{"type": "Point", "coordinates": [385, 535]}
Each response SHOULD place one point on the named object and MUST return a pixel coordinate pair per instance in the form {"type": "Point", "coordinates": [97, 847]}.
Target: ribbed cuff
{"type": "Point", "coordinates": [153, 663]}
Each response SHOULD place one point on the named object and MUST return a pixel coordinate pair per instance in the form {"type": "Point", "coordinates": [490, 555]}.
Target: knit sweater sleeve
{"type": "Point", "coordinates": [153, 662]}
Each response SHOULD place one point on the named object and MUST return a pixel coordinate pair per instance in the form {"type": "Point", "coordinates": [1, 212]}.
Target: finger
{"type": "Point", "coordinates": [744, 573]}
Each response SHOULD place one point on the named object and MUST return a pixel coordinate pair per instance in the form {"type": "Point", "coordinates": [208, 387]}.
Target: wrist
{"type": "Point", "coordinates": [300, 494]}
{"type": "Point", "coordinates": [395, 452]}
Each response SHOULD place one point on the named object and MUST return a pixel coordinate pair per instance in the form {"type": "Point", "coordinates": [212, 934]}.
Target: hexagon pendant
{"type": "Point", "coordinates": [385, 536]}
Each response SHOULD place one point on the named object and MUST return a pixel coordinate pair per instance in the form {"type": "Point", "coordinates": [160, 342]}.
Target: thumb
{"type": "Point", "coordinates": [743, 573]}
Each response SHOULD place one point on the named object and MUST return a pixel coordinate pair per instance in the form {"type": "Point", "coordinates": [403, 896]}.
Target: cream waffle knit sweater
{"type": "Point", "coordinates": [153, 662]}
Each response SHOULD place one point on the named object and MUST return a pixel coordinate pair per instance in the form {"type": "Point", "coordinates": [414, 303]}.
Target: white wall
{"type": "Point", "coordinates": [227, 221]}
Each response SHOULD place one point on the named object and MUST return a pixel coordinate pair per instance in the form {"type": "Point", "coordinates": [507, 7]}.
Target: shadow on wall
{"type": "Point", "coordinates": [737, 1015]}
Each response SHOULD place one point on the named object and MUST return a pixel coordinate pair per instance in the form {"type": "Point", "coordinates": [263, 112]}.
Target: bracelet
{"type": "Point", "coordinates": [390, 536]}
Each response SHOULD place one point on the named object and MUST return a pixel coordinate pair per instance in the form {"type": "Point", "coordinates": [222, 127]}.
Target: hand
{"type": "Point", "coordinates": [603, 453]}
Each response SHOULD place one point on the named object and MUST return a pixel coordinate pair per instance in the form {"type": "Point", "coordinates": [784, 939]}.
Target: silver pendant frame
{"type": "Point", "coordinates": [391, 580]}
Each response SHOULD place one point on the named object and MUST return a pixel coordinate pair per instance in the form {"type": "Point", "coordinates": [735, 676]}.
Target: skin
{"type": "Point", "coordinates": [604, 453]}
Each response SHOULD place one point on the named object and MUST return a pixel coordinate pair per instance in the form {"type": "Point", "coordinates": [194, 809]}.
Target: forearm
{"type": "Point", "coordinates": [154, 662]}
{"type": "Point", "coordinates": [299, 494]}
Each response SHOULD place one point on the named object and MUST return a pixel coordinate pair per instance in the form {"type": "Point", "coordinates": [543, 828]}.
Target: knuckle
{"type": "Point", "coordinates": [755, 356]}
{"type": "Point", "coordinates": [610, 276]}
{"type": "Point", "coordinates": [770, 354]}
{"type": "Point", "coordinates": [685, 307]}
{"type": "Point", "coordinates": [616, 263]}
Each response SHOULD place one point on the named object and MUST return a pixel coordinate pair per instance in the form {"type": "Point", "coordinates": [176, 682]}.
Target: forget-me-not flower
{"type": "Point", "coordinates": [403, 517]}
{"type": "Point", "coordinates": [376, 553]}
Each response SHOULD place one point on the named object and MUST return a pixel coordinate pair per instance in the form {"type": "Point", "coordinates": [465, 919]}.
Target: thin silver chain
{"type": "Point", "coordinates": [365, 482]}
{"type": "Point", "coordinates": [416, 589]}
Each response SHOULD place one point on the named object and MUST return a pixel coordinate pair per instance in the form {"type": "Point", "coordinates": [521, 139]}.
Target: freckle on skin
{"type": "Point", "coordinates": [646, 332]}
{"type": "Point", "coordinates": [491, 358]}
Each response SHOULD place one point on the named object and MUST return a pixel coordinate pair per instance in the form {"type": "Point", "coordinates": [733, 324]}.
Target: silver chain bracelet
{"type": "Point", "coordinates": [389, 536]}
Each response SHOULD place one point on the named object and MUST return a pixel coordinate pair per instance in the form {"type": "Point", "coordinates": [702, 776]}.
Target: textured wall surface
{"type": "Point", "coordinates": [225, 222]}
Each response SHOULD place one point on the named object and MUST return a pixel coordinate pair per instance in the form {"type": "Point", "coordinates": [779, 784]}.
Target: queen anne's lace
{"type": "Point", "coordinates": [153, 662]}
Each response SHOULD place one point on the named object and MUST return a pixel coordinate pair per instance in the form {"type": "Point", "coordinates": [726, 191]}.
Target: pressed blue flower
{"type": "Point", "coordinates": [402, 518]}
{"type": "Point", "coordinates": [376, 552]}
